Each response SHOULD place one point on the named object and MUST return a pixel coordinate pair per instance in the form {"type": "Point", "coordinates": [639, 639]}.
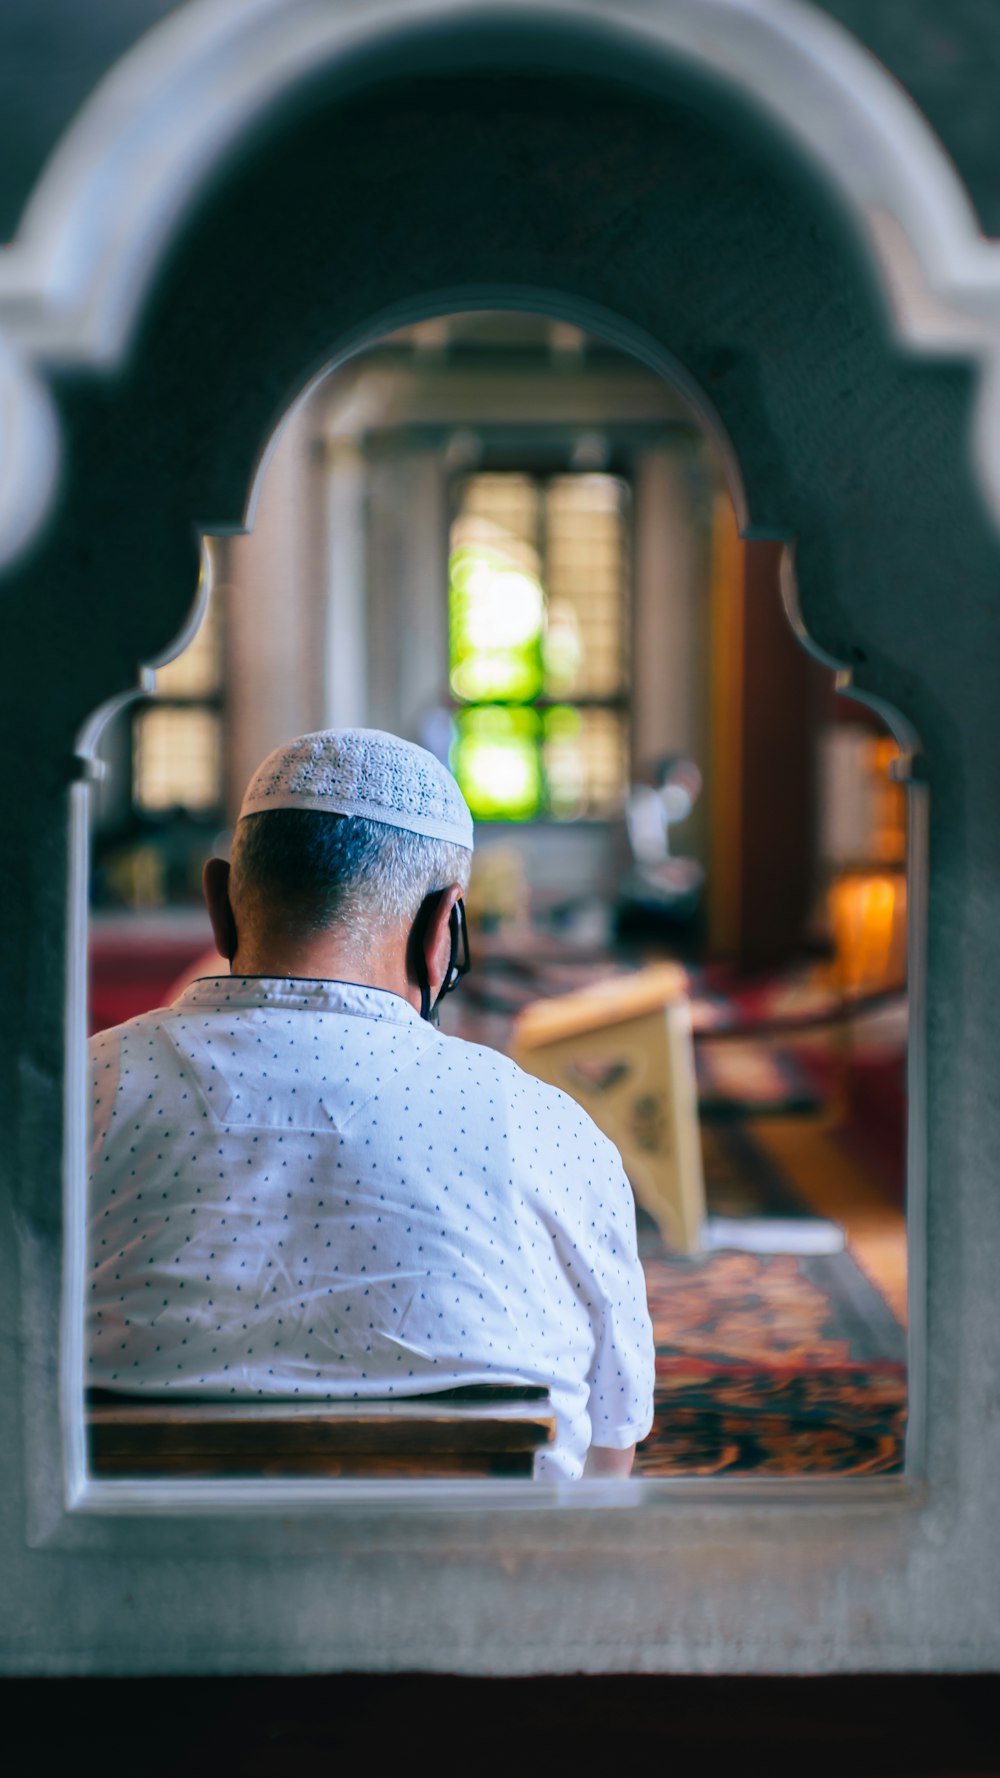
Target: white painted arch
{"type": "Point", "coordinates": [118, 186]}
{"type": "Point", "coordinates": [133, 161]}
{"type": "Point", "coordinates": [71, 287]}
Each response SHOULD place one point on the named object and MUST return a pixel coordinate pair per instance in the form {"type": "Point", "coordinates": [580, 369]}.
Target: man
{"type": "Point", "coordinates": [300, 1187]}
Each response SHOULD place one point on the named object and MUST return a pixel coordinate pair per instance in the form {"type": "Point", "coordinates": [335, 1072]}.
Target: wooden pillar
{"type": "Point", "coordinates": [765, 702]}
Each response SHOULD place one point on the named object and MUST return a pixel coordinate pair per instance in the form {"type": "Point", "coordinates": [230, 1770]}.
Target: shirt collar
{"type": "Point", "coordinates": [223, 993]}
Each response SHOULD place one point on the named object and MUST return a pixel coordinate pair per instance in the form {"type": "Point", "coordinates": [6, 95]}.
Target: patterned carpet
{"type": "Point", "coordinates": [769, 1422]}
{"type": "Point", "coordinates": [771, 1364]}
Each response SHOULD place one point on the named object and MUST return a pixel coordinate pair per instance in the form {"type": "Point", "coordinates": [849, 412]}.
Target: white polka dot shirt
{"type": "Point", "coordinates": [300, 1188]}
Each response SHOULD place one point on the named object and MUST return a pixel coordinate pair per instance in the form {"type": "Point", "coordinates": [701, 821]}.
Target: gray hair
{"type": "Point", "coordinates": [313, 871]}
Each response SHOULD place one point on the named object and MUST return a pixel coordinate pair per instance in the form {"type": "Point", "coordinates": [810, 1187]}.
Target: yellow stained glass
{"type": "Point", "coordinates": [586, 584]}
{"type": "Point", "coordinates": [177, 758]}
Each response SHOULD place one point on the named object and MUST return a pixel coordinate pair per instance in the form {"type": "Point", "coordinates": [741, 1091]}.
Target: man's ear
{"type": "Point", "coordinates": [215, 885]}
{"type": "Point", "coordinates": [433, 935]}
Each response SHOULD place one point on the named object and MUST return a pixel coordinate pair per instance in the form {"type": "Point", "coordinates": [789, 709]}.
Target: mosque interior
{"type": "Point", "coordinates": [514, 543]}
{"type": "Point", "coordinates": [648, 474]}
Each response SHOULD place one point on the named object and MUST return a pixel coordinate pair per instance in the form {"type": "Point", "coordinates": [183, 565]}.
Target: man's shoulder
{"type": "Point", "coordinates": [459, 1055]}
{"type": "Point", "coordinates": [491, 1067]}
{"type": "Point", "coordinates": [113, 1038]}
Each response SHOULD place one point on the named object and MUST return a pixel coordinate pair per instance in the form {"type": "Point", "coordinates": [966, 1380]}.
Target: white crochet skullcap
{"type": "Point", "coordinates": [363, 771]}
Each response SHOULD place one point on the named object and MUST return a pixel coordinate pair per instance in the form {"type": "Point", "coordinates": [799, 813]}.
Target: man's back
{"type": "Point", "coordinates": [301, 1188]}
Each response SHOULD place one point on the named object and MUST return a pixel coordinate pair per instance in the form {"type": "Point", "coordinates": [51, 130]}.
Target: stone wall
{"type": "Point", "coordinates": [742, 230]}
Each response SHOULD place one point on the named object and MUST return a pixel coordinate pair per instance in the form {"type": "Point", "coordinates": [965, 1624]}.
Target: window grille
{"type": "Point", "coordinates": [539, 578]}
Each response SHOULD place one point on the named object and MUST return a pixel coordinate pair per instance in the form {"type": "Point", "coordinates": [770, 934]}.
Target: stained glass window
{"type": "Point", "coordinates": [538, 644]}
{"type": "Point", "coordinates": [176, 758]}
{"type": "Point", "coordinates": [177, 736]}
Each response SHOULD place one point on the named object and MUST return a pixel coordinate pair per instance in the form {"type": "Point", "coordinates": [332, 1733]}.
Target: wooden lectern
{"type": "Point", "coordinates": [622, 1048]}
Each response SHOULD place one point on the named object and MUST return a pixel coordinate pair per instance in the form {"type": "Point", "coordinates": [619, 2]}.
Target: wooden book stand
{"type": "Point", "coordinates": [622, 1048]}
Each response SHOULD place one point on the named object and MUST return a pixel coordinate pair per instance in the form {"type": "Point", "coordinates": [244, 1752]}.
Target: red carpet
{"type": "Point", "coordinates": [771, 1364]}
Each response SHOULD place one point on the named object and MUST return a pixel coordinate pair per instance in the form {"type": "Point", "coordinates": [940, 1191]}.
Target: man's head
{"type": "Point", "coordinates": [351, 849]}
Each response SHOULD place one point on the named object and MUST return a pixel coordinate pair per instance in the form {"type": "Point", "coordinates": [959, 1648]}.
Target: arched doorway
{"type": "Point", "coordinates": [684, 224]}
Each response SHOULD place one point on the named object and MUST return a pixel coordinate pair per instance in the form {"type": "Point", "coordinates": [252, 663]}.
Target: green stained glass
{"type": "Point", "coordinates": [496, 623]}
{"type": "Point", "coordinates": [538, 613]}
{"type": "Point", "coordinates": [495, 757]}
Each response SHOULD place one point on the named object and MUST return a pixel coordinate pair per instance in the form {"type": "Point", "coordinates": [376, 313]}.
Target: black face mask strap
{"type": "Point", "coordinates": [459, 963]}
{"type": "Point", "coordinates": [427, 1011]}
{"type": "Point", "coordinates": [233, 940]}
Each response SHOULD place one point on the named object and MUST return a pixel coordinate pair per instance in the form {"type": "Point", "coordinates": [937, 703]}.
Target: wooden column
{"type": "Point", "coordinates": [765, 702]}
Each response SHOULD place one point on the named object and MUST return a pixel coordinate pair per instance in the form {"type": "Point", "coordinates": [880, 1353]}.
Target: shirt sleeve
{"type": "Point", "coordinates": [622, 1373]}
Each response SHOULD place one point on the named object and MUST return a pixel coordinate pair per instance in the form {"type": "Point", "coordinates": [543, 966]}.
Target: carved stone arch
{"type": "Point", "coordinates": [762, 210]}
{"type": "Point", "coordinates": [497, 168]}
{"type": "Point", "coordinates": [709, 228]}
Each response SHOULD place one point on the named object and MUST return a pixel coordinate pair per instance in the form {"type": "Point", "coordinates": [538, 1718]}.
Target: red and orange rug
{"type": "Point", "coordinates": [770, 1364]}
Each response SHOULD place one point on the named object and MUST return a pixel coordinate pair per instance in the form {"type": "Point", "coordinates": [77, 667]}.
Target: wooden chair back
{"type": "Point", "coordinates": [476, 1431]}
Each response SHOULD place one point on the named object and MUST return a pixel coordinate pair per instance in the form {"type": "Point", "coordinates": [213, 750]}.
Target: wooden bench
{"type": "Point", "coordinates": [622, 1048]}
{"type": "Point", "coordinates": [481, 1430]}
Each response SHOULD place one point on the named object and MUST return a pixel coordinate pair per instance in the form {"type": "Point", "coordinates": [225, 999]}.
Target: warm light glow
{"type": "Point", "coordinates": [868, 919]}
